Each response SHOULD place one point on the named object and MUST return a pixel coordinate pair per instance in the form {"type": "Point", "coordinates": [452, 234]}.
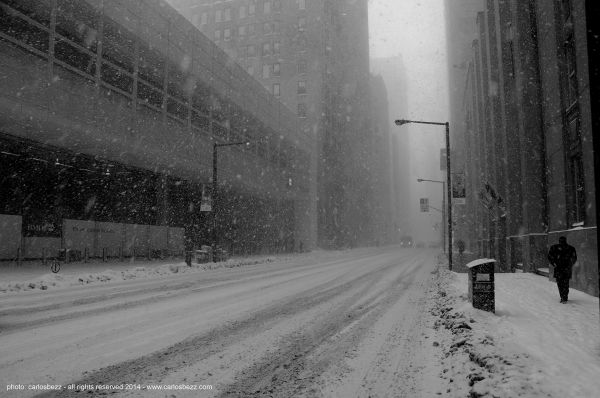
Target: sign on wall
{"type": "Point", "coordinates": [41, 225]}
{"type": "Point", "coordinates": [424, 205]}
{"type": "Point", "coordinates": [458, 189]}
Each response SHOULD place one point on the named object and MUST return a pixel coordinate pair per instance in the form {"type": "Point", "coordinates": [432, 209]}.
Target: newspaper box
{"type": "Point", "coordinates": [481, 284]}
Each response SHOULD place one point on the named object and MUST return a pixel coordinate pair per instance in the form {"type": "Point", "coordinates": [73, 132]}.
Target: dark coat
{"type": "Point", "coordinates": [562, 257]}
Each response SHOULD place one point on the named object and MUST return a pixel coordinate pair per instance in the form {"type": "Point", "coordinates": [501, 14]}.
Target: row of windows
{"type": "Point", "coordinates": [301, 88]}
{"type": "Point", "coordinates": [227, 14]}
{"type": "Point", "coordinates": [268, 48]}
{"type": "Point", "coordinates": [274, 70]}
{"type": "Point", "coordinates": [161, 84]}
{"type": "Point", "coordinates": [572, 136]}
{"type": "Point", "coordinates": [268, 28]}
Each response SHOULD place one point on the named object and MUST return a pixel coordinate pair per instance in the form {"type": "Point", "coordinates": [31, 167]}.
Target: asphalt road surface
{"type": "Point", "coordinates": [321, 325]}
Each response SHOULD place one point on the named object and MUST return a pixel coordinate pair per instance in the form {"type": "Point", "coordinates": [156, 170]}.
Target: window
{"type": "Point", "coordinates": [266, 49]}
{"type": "Point", "coordinates": [217, 35]}
{"type": "Point", "coordinates": [267, 28]}
{"type": "Point", "coordinates": [302, 87]}
{"type": "Point", "coordinates": [219, 16]}
{"type": "Point", "coordinates": [302, 110]}
{"type": "Point", "coordinates": [251, 51]}
{"type": "Point", "coordinates": [149, 96]}
{"type": "Point", "coordinates": [118, 45]}
{"type": "Point", "coordinates": [242, 30]}
{"type": "Point", "coordinates": [276, 90]}
{"type": "Point", "coordinates": [302, 43]}
{"type": "Point", "coordinates": [201, 98]}
{"type": "Point", "coordinates": [251, 29]}
{"type": "Point", "coordinates": [74, 56]}
{"type": "Point", "coordinates": [302, 4]}
{"type": "Point", "coordinates": [242, 11]}
{"type": "Point", "coordinates": [176, 109]}
{"type": "Point", "coordinates": [13, 25]}
{"type": "Point", "coordinates": [267, 7]}
{"type": "Point", "coordinates": [38, 10]}
{"type": "Point", "coordinates": [177, 82]}
{"type": "Point", "coordinates": [302, 66]}
{"type": "Point", "coordinates": [116, 77]}
{"type": "Point", "coordinates": [204, 18]}
{"type": "Point", "coordinates": [276, 69]}
{"type": "Point", "coordinates": [250, 70]}
{"type": "Point", "coordinates": [227, 14]}
{"type": "Point", "coordinates": [151, 66]}
{"type": "Point", "coordinates": [276, 48]}
{"type": "Point", "coordinates": [265, 71]}
{"type": "Point", "coordinates": [572, 91]}
{"type": "Point", "coordinates": [252, 7]}
{"type": "Point", "coordinates": [78, 23]}
{"type": "Point", "coordinates": [276, 5]}
{"type": "Point", "coordinates": [227, 34]}
{"type": "Point", "coordinates": [572, 132]}
{"type": "Point", "coordinates": [577, 188]}
{"type": "Point", "coordinates": [301, 23]}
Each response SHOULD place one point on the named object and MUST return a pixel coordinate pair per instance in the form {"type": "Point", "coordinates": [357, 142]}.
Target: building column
{"type": "Point", "coordinates": [531, 133]}
{"type": "Point", "coordinates": [162, 200]}
{"type": "Point", "coordinates": [498, 132]}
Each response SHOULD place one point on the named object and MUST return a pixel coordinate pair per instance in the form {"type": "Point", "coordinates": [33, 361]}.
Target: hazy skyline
{"type": "Point", "coordinates": [415, 30]}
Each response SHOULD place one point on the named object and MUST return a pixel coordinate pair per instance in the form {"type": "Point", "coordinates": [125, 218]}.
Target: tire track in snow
{"type": "Point", "coordinates": [155, 366]}
{"type": "Point", "coordinates": [295, 368]}
{"type": "Point", "coordinates": [15, 319]}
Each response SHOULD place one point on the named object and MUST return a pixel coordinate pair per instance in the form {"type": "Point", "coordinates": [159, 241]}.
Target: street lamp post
{"type": "Point", "coordinates": [215, 194]}
{"type": "Point", "coordinates": [401, 122]}
{"type": "Point", "coordinates": [443, 208]}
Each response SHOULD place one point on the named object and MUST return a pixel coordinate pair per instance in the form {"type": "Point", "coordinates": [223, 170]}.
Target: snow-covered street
{"type": "Point", "coordinates": [384, 322]}
{"type": "Point", "coordinates": [330, 323]}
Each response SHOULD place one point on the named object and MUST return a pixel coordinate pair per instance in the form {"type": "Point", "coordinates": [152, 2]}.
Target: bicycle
{"type": "Point", "coordinates": [54, 266]}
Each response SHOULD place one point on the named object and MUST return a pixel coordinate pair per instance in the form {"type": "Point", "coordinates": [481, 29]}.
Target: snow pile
{"type": "Point", "coordinates": [58, 280]}
{"type": "Point", "coordinates": [512, 353]}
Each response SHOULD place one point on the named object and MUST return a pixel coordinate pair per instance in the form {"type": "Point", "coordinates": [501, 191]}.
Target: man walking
{"type": "Point", "coordinates": [562, 256]}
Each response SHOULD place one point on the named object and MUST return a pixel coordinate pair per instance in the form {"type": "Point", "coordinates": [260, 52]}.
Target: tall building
{"type": "Point", "coordinates": [314, 57]}
{"type": "Point", "coordinates": [381, 167]}
{"type": "Point", "coordinates": [109, 115]}
{"type": "Point", "coordinates": [393, 72]}
{"type": "Point", "coordinates": [522, 95]}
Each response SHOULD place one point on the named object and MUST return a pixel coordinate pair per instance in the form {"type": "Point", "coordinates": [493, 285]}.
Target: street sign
{"type": "Point", "coordinates": [206, 200]}
{"type": "Point", "coordinates": [443, 162]}
{"type": "Point", "coordinates": [424, 205]}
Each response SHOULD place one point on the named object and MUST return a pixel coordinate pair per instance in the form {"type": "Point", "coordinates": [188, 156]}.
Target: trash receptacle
{"type": "Point", "coordinates": [202, 256]}
{"type": "Point", "coordinates": [481, 284]}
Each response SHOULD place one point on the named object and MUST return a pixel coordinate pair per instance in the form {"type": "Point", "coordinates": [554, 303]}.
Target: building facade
{"type": "Point", "coordinates": [393, 72]}
{"type": "Point", "coordinates": [314, 57]}
{"type": "Point", "coordinates": [108, 113]}
{"type": "Point", "coordinates": [524, 106]}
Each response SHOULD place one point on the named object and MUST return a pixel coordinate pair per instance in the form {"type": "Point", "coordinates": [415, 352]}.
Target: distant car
{"type": "Point", "coordinates": [420, 244]}
{"type": "Point", "coordinates": [406, 241]}
{"type": "Point", "coordinates": [434, 244]}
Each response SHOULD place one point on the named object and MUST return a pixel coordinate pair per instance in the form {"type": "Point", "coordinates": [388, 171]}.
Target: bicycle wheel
{"type": "Point", "coordinates": [55, 266]}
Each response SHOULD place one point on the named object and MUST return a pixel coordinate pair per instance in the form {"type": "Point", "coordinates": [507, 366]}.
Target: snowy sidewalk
{"type": "Point", "coordinates": [555, 347]}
